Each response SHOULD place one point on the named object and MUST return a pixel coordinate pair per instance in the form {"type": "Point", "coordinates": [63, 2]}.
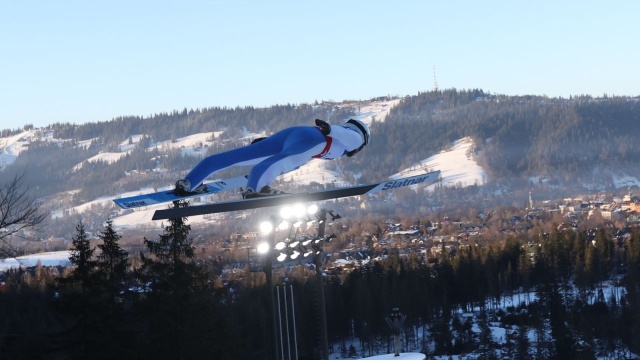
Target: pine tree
{"type": "Point", "coordinates": [180, 310]}
{"type": "Point", "coordinates": [486, 343]}
{"type": "Point", "coordinates": [112, 260]}
{"type": "Point", "coordinates": [82, 275]}
{"type": "Point", "coordinates": [630, 318]}
{"type": "Point", "coordinates": [604, 247]}
{"type": "Point", "coordinates": [522, 343]}
{"type": "Point", "coordinates": [565, 344]}
{"type": "Point", "coordinates": [80, 257]}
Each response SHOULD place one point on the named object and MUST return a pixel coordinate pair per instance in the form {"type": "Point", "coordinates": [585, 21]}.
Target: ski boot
{"type": "Point", "coordinates": [183, 188]}
{"type": "Point", "coordinates": [265, 191]}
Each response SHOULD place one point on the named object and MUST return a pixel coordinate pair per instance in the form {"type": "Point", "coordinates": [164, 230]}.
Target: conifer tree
{"type": "Point", "coordinates": [593, 264]}
{"type": "Point", "coordinates": [630, 310]}
{"type": "Point", "coordinates": [81, 255]}
{"type": "Point", "coordinates": [180, 310]}
{"type": "Point", "coordinates": [486, 343]}
{"type": "Point", "coordinates": [522, 343]}
{"type": "Point", "coordinates": [82, 275]}
{"type": "Point", "coordinates": [112, 260]}
{"type": "Point", "coordinates": [604, 247]}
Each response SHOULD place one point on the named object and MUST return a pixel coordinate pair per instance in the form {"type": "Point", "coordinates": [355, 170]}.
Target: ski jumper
{"type": "Point", "coordinates": [279, 153]}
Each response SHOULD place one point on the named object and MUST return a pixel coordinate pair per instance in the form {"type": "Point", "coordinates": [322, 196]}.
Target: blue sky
{"type": "Point", "coordinates": [88, 61]}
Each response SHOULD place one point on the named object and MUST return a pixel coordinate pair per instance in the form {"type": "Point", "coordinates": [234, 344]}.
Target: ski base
{"type": "Point", "coordinates": [284, 199]}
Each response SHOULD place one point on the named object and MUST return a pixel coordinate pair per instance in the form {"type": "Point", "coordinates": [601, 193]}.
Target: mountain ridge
{"type": "Point", "coordinates": [502, 132]}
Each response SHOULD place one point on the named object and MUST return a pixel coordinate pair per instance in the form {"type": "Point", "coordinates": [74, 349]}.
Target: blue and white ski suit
{"type": "Point", "coordinates": [279, 153]}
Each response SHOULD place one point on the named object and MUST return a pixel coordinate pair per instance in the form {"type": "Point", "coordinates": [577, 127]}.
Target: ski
{"type": "Point", "coordinates": [159, 197]}
{"type": "Point", "coordinates": [278, 200]}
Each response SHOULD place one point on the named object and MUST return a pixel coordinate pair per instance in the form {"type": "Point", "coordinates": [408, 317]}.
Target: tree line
{"type": "Point", "coordinates": [168, 302]}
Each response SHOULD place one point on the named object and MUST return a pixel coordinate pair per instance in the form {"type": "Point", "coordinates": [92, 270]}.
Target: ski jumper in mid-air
{"type": "Point", "coordinates": [278, 154]}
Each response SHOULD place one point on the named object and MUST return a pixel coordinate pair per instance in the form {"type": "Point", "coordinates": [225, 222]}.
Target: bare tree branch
{"type": "Point", "coordinates": [18, 211]}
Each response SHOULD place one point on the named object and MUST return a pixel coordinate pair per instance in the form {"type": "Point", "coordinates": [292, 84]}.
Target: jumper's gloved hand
{"type": "Point", "coordinates": [324, 127]}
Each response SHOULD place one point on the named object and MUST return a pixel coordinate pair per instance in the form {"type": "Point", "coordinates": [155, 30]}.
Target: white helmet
{"type": "Point", "coordinates": [360, 127]}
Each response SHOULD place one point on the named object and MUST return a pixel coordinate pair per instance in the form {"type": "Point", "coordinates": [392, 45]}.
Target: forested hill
{"type": "Point", "coordinates": [516, 137]}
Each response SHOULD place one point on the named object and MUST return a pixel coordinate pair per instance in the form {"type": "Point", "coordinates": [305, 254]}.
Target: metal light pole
{"type": "Point", "coordinates": [268, 270]}
{"type": "Point", "coordinates": [322, 218]}
{"type": "Point", "coordinates": [396, 321]}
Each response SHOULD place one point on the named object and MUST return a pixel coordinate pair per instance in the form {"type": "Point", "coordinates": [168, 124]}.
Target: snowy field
{"type": "Point", "coordinates": [457, 165]}
{"type": "Point", "coordinates": [54, 258]}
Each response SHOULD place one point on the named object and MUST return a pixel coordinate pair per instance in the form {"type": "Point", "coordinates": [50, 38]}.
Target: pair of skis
{"type": "Point", "coordinates": [164, 196]}
{"type": "Point", "coordinates": [268, 201]}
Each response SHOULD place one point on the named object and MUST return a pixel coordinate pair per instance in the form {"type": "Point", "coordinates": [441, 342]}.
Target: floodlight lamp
{"type": "Point", "coordinates": [282, 257]}
{"type": "Point", "coordinates": [295, 254]}
{"type": "Point", "coordinates": [266, 227]}
{"type": "Point", "coordinates": [307, 253]}
{"type": "Point", "coordinates": [263, 248]}
{"type": "Point", "coordinates": [281, 245]}
{"type": "Point", "coordinates": [283, 225]}
{"type": "Point", "coordinates": [297, 224]}
{"type": "Point", "coordinates": [294, 244]}
{"type": "Point", "coordinates": [306, 242]}
{"type": "Point", "coordinates": [286, 212]}
{"type": "Point", "coordinates": [312, 209]}
{"type": "Point", "coordinates": [298, 210]}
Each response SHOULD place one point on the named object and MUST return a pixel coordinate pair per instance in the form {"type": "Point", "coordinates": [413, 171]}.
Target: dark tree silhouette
{"type": "Point", "coordinates": [18, 211]}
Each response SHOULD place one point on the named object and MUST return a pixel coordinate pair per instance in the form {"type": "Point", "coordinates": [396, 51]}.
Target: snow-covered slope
{"type": "Point", "coordinates": [12, 146]}
{"type": "Point", "coordinates": [457, 164]}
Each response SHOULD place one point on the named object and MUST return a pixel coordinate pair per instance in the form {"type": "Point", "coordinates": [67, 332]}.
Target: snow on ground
{"type": "Point", "coordinates": [192, 145]}
{"type": "Point", "coordinates": [86, 143]}
{"type": "Point", "coordinates": [403, 356]}
{"type": "Point", "coordinates": [625, 181]}
{"type": "Point", "coordinates": [130, 143]}
{"type": "Point", "coordinates": [457, 165]}
{"type": "Point", "coordinates": [54, 258]}
{"type": "Point", "coordinates": [108, 157]}
{"type": "Point", "coordinates": [11, 146]}
{"type": "Point", "coordinates": [315, 171]}
{"type": "Point", "coordinates": [138, 217]}
{"type": "Point", "coordinates": [249, 136]}
{"type": "Point", "coordinates": [375, 109]}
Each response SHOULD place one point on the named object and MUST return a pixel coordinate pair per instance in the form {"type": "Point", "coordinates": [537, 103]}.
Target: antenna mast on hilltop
{"type": "Point", "coordinates": [435, 82]}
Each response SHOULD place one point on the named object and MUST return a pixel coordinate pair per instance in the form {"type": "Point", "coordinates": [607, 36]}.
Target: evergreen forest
{"type": "Point", "coordinates": [167, 302]}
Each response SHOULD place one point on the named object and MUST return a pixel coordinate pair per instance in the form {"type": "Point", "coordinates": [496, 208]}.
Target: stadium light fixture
{"type": "Point", "coordinates": [263, 248]}
{"type": "Point", "coordinates": [266, 227]}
